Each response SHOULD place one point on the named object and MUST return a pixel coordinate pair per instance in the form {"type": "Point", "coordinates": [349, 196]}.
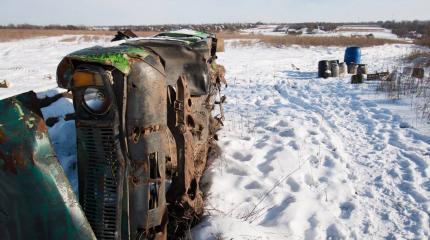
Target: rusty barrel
{"type": "Point", "coordinates": [357, 78]}
{"type": "Point", "coordinates": [362, 69]}
{"type": "Point", "coordinates": [334, 66]}
{"type": "Point", "coordinates": [352, 68]}
{"type": "Point", "coordinates": [418, 73]}
{"type": "Point", "coordinates": [324, 69]}
{"type": "Point", "coordinates": [343, 69]}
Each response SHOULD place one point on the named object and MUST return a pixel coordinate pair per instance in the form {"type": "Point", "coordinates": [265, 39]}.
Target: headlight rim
{"type": "Point", "coordinates": [106, 104]}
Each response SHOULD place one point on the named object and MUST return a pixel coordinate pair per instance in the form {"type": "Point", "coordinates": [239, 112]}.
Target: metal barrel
{"type": "Point", "coordinates": [362, 69]}
{"type": "Point", "coordinates": [343, 69]}
{"type": "Point", "coordinates": [352, 55]}
{"type": "Point", "coordinates": [323, 66]}
{"type": "Point", "coordinates": [352, 68]}
{"type": "Point", "coordinates": [418, 73]}
{"type": "Point", "coordinates": [334, 69]}
{"type": "Point", "coordinates": [357, 78]}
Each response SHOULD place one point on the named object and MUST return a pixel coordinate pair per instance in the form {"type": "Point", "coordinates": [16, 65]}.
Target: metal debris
{"type": "Point", "coordinates": [4, 84]}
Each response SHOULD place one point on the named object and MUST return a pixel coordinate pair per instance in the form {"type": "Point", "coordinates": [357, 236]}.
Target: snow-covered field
{"type": "Point", "coordinates": [31, 64]}
{"type": "Point", "coordinates": [342, 31]}
{"type": "Point", "coordinates": [302, 158]}
{"type": "Point", "coordinates": [263, 29]}
{"type": "Point", "coordinates": [307, 158]}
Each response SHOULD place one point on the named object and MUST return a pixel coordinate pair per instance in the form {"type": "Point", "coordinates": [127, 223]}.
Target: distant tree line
{"type": "Point", "coordinates": [419, 30]}
{"type": "Point", "coordinates": [412, 29]}
{"type": "Point", "coordinates": [156, 28]}
{"type": "Point", "coordinates": [199, 27]}
{"type": "Point", "coordinates": [30, 26]}
{"type": "Point", "coordinates": [406, 28]}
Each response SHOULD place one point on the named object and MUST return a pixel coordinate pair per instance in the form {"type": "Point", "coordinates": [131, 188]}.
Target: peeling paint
{"type": "Point", "coordinates": [118, 56]}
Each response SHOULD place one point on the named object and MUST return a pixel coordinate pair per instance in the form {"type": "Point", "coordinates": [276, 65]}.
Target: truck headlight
{"type": "Point", "coordinates": [95, 101]}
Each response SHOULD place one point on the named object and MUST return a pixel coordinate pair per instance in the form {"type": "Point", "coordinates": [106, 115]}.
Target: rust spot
{"type": "Point", "coordinates": [19, 157]}
{"type": "Point", "coordinates": [135, 136]}
{"type": "Point", "coordinates": [14, 161]}
{"type": "Point", "coordinates": [41, 127]}
{"type": "Point", "coordinates": [3, 137]}
{"type": "Point", "coordinates": [135, 180]}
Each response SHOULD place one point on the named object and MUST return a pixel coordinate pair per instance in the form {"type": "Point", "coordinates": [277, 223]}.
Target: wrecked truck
{"type": "Point", "coordinates": [145, 122]}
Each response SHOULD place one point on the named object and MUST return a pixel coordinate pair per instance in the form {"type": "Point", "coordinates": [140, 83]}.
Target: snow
{"type": "Point", "coordinates": [342, 31]}
{"type": "Point", "coordinates": [265, 30]}
{"type": "Point", "coordinates": [302, 158]}
{"type": "Point", "coordinates": [386, 34]}
{"type": "Point", "coordinates": [363, 30]}
{"type": "Point", "coordinates": [31, 64]}
{"type": "Point", "coordinates": [307, 158]}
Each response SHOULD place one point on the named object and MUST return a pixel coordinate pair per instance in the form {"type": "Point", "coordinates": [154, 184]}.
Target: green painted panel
{"type": "Point", "coordinates": [118, 56]}
{"type": "Point", "coordinates": [36, 199]}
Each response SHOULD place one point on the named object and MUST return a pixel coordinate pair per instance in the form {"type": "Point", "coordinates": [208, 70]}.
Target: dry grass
{"type": "Point", "coordinates": [419, 58]}
{"type": "Point", "coordinates": [417, 54]}
{"type": "Point", "coordinates": [401, 84]}
{"type": "Point", "coordinates": [424, 41]}
{"type": "Point", "coordinates": [278, 41]}
{"type": "Point", "coordinates": [19, 34]}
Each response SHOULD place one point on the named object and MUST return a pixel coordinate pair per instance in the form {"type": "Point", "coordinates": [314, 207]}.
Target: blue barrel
{"type": "Point", "coordinates": [353, 55]}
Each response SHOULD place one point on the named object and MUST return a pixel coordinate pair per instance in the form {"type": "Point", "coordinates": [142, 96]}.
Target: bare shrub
{"type": "Point", "coordinates": [418, 58]}
{"type": "Point", "coordinates": [401, 84]}
{"type": "Point", "coordinates": [416, 54]}
{"type": "Point", "coordinates": [218, 236]}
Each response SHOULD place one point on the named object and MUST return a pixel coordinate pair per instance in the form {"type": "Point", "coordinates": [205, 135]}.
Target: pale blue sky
{"type": "Point", "coordinates": [122, 12]}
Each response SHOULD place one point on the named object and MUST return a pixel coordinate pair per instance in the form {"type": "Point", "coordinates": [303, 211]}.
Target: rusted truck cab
{"type": "Point", "coordinates": [144, 126]}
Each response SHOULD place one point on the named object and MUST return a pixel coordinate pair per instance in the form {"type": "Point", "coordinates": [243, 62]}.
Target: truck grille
{"type": "Point", "coordinates": [100, 196]}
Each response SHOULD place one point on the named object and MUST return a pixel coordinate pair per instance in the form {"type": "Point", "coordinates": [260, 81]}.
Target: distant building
{"type": "Point", "coordinates": [292, 31]}
{"type": "Point", "coordinates": [414, 35]}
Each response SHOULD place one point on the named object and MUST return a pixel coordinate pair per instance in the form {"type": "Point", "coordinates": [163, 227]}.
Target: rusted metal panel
{"type": "Point", "coordinates": [36, 199]}
{"type": "Point", "coordinates": [147, 141]}
{"type": "Point", "coordinates": [188, 53]}
{"type": "Point", "coordinates": [377, 76]}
